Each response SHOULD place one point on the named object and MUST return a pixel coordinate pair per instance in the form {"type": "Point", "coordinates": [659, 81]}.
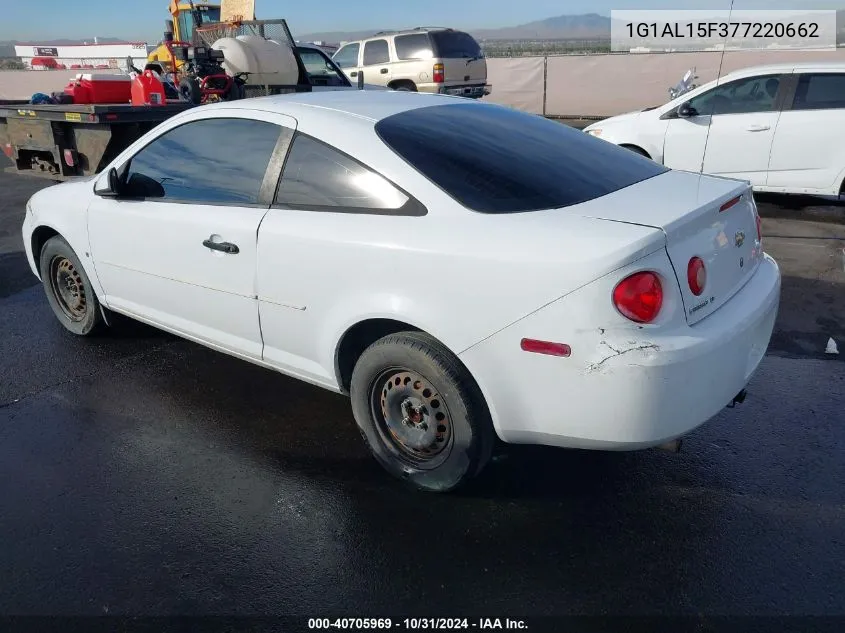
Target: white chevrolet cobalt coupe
{"type": "Point", "coordinates": [461, 270]}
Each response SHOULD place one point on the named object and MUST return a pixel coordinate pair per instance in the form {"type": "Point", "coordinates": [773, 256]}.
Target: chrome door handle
{"type": "Point", "coordinates": [759, 128]}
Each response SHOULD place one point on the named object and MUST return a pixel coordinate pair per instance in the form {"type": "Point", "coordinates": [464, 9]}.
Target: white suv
{"type": "Point", "coordinates": [425, 59]}
{"type": "Point", "coordinates": [780, 127]}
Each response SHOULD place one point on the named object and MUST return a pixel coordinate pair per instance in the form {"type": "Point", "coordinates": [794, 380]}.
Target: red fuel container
{"type": "Point", "coordinates": [147, 89]}
{"type": "Point", "coordinates": [100, 89]}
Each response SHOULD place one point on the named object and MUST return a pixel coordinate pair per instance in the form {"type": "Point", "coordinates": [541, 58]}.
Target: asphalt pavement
{"type": "Point", "coordinates": [141, 474]}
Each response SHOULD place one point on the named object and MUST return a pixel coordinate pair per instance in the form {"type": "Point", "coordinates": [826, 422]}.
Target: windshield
{"type": "Point", "coordinates": [454, 45]}
{"type": "Point", "coordinates": [321, 70]}
{"type": "Point", "coordinates": [494, 159]}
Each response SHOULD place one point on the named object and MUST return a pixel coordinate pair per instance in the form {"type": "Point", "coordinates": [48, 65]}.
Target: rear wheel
{"type": "Point", "coordinates": [420, 412]}
{"type": "Point", "coordinates": [68, 288]}
{"type": "Point", "coordinates": [405, 86]}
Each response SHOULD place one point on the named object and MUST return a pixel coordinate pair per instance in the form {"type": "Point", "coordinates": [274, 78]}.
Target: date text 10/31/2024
{"type": "Point", "coordinates": [360, 624]}
{"type": "Point", "coordinates": [754, 30]}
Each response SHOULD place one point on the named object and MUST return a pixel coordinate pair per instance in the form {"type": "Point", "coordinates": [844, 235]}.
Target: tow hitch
{"type": "Point", "coordinates": [738, 399]}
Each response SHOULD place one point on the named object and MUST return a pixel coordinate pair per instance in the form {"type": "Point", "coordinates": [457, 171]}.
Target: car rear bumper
{"type": "Point", "coordinates": [471, 91]}
{"type": "Point", "coordinates": [623, 388]}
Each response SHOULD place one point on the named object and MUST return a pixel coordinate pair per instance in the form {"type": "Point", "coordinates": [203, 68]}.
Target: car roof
{"type": "Point", "coordinates": [786, 67]}
{"type": "Point", "coordinates": [370, 105]}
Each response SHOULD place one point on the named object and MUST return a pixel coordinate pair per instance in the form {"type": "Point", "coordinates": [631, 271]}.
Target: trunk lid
{"type": "Point", "coordinates": [702, 216]}
{"type": "Point", "coordinates": [463, 61]}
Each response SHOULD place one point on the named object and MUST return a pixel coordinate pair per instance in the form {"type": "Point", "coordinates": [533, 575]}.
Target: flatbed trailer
{"type": "Point", "coordinates": [63, 142]}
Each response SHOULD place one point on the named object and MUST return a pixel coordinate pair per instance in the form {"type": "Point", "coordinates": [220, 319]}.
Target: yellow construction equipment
{"type": "Point", "coordinates": [185, 17]}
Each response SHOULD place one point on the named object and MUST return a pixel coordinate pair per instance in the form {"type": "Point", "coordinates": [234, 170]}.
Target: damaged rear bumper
{"type": "Point", "coordinates": [628, 388]}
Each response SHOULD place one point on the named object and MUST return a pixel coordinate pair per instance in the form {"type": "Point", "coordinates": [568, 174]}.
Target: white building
{"type": "Point", "coordinates": [82, 56]}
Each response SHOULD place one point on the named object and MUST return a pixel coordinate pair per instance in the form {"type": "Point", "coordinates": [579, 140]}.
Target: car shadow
{"type": "Point", "coordinates": [15, 274]}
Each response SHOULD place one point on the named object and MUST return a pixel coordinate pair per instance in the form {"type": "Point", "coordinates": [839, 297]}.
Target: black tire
{"type": "Point", "coordinates": [235, 93]}
{"type": "Point", "coordinates": [68, 288]}
{"type": "Point", "coordinates": [405, 86]}
{"type": "Point", "coordinates": [190, 91]}
{"type": "Point", "coordinates": [446, 396]}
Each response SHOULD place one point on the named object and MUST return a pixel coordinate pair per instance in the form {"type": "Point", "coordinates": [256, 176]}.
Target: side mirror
{"type": "Point", "coordinates": [113, 185]}
{"type": "Point", "coordinates": [685, 110]}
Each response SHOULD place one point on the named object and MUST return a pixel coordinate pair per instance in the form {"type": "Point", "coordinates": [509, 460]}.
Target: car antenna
{"type": "Point", "coordinates": [718, 79]}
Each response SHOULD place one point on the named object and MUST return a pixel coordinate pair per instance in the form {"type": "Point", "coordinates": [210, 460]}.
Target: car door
{"type": "Point", "coordinates": [178, 247]}
{"type": "Point", "coordinates": [808, 152]}
{"type": "Point", "coordinates": [729, 131]}
{"type": "Point", "coordinates": [376, 62]}
{"type": "Point", "coordinates": [328, 210]}
{"type": "Point", "coordinates": [348, 59]}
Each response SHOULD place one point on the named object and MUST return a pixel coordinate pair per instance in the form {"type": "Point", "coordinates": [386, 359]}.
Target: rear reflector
{"type": "Point", "coordinates": [729, 204]}
{"type": "Point", "coordinates": [545, 347]}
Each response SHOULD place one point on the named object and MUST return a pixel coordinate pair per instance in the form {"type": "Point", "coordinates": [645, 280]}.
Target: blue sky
{"type": "Point", "coordinates": [144, 19]}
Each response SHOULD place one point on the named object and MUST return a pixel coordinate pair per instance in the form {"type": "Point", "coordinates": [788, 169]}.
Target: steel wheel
{"type": "Point", "coordinates": [411, 417]}
{"type": "Point", "coordinates": [68, 288]}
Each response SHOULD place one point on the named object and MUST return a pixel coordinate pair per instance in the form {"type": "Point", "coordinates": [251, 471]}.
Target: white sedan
{"type": "Point", "coordinates": [461, 270]}
{"type": "Point", "coordinates": [781, 128]}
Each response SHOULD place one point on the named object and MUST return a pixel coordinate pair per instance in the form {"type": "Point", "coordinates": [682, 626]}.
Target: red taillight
{"type": "Point", "coordinates": [639, 297]}
{"type": "Point", "coordinates": [439, 74]}
{"type": "Point", "coordinates": [70, 159]}
{"type": "Point", "coordinates": [696, 275]}
{"type": "Point", "coordinates": [7, 149]}
{"type": "Point", "coordinates": [545, 347]}
{"type": "Point", "coordinates": [729, 204]}
{"type": "Point", "coordinates": [759, 222]}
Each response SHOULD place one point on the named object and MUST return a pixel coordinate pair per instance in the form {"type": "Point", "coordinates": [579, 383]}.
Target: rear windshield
{"type": "Point", "coordinates": [454, 44]}
{"type": "Point", "coordinates": [494, 159]}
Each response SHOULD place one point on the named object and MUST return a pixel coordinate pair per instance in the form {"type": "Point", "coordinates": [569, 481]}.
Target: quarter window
{"type": "Point", "coordinates": [318, 177]}
{"type": "Point", "coordinates": [416, 46]}
{"type": "Point", "coordinates": [212, 161]}
{"type": "Point", "coordinates": [754, 94]}
{"type": "Point", "coordinates": [822, 91]}
{"type": "Point", "coordinates": [376, 52]}
{"type": "Point", "coordinates": [347, 57]}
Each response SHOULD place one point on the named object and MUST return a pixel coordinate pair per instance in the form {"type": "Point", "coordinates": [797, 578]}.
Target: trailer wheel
{"type": "Point", "coordinates": [190, 91]}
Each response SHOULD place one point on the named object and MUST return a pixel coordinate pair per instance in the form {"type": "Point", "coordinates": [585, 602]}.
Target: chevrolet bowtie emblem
{"type": "Point", "coordinates": [739, 238]}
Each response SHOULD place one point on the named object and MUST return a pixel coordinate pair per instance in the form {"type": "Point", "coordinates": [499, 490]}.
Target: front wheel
{"type": "Point", "coordinates": [68, 288]}
{"type": "Point", "coordinates": [420, 412]}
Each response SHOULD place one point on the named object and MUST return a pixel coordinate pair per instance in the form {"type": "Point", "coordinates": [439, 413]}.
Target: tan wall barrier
{"type": "Point", "coordinates": [567, 85]}
{"type": "Point", "coordinates": [517, 82]}
{"type": "Point", "coordinates": [22, 84]}
{"type": "Point", "coordinates": [604, 85]}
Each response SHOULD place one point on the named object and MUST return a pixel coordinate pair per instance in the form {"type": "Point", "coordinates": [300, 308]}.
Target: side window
{"type": "Point", "coordinates": [318, 177]}
{"type": "Point", "coordinates": [753, 94]}
{"type": "Point", "coordinates": [822, 91]}
{"type": "Point", "coordinates": [416, 46]}
{"type": "Point", "coordinates": [212, 161]}
{"type": "Point", "coordinates": [347, 56]}
{"type": "Point", "coordinates": [376, 52]}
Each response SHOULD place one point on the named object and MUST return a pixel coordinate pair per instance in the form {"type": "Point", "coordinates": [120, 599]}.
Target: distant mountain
{"type": "Point", "coordinates": [590, 25]}
{"type": "Point", "coordinates": [562, 27]}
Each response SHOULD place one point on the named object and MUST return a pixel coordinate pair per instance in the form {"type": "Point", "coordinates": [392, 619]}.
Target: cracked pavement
{"type": "Point", "coordinates": [141, 474]}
